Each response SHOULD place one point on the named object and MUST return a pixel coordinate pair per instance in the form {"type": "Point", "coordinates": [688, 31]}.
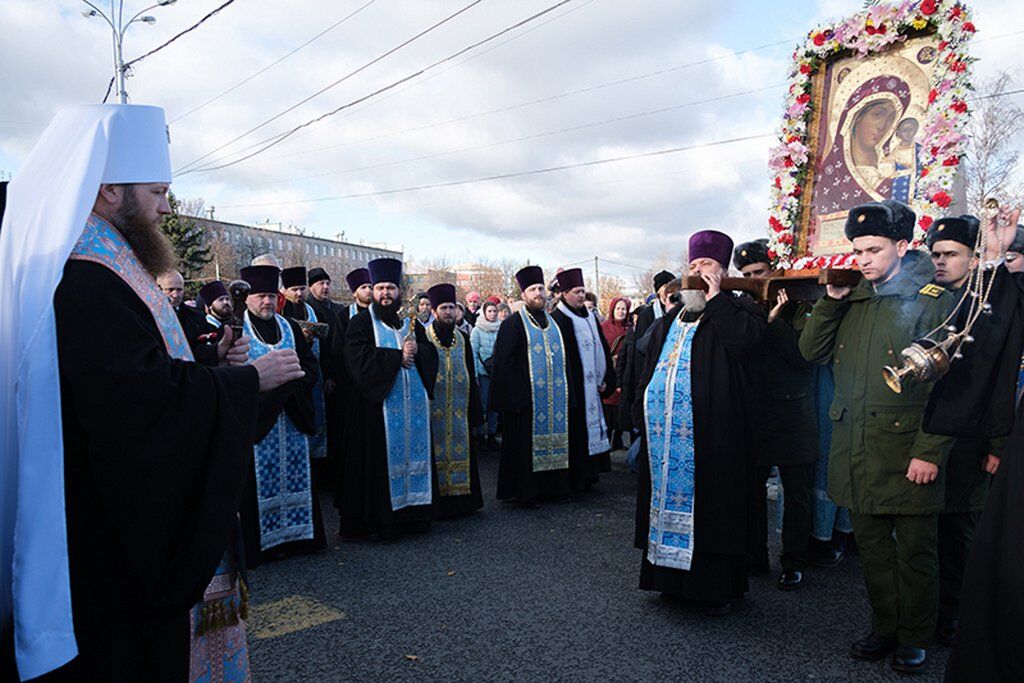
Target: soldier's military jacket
{"type": "Point", "coordinates": [875, 431]}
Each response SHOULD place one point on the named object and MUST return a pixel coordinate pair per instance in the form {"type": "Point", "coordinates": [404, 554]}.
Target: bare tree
{"type": "Point", "coordinates": [193, 206]}
{"type": "Point", "coordinates": [993, 156]}
{"type": "Point", "coordinates": [611, 287]}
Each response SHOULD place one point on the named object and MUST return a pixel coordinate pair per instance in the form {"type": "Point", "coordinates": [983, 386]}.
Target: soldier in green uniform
{"type": "Point", "coordinates": [951, 242]}
{"type": "Point", "coordinates": [786, 429]}
{"type": "Point", "coordinates": [883, 466]}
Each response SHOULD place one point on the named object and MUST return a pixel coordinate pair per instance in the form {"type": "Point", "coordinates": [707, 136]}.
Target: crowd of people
{"type": "Point", "coordinates": [390, 399]}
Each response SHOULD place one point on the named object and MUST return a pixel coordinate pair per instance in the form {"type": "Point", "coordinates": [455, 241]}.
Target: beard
{"type": "Point", "coordinates": [692, 300]}
{"type": "Point", "coordinates": [149, 244]}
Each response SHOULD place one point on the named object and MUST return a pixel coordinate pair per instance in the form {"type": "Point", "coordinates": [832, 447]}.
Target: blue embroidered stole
{"type": "Point", "coordinates": [545, 352]}
{"type": "Point", "coordinates": [317, 442]}
{"type": "Point", "coordinates": [449, 419]}
{"type": "Point", "coordinates": [668, 414]}
{"type": "Point", "coordinates": [101, 243]}
{"type": "Point", "coordinates": [406, 426]}
{"type": "Point", "coordinates": [283, 490]}
{"type": "Point", "coordinates": [353, 310]}
{"type": "Point", "coordinates": [214, 320]}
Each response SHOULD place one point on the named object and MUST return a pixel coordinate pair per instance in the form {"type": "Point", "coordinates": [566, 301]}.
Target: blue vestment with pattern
{"type": "Point", "coordinates": [283, 489]}
{"type": "Point", "coordinates": [545, 351]}
{"type": "Point", "coordinates": [668, 410]}
{"type": "Point", "coordinates": [406, 426]}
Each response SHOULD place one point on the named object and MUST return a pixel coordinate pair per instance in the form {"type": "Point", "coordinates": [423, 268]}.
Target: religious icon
{"type": "Point", "coordinates": [870, 113]}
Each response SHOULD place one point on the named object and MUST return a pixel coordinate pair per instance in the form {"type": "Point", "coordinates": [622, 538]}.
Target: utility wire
{"type": "Point", "coordinates": [166, 43]}
{"type": "Point", "coordinates": [275, 62]}
{"type": "Point", "coordinates": [364, 98]}
{"type": "Point", "coordinates": [515, 174]}
{"type": "Point", "coordinates": [582, 126]}
{"type": "Point", "coordinates": [344, 78]}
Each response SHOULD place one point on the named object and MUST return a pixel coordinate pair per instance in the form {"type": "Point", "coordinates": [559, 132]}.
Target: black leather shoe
{"type": "Point", "coordinates": [717, 609]}
{"type": "Point", "coordinates": [790, 580]}
{"type": "Point", "coordinates": [909, 659]}
{"type": "Point", "coordinates": [872, 648]}
{"type": "Point", "coordinates": [823, 554]}
{"type": "Point", "coordinates": [947, 631]}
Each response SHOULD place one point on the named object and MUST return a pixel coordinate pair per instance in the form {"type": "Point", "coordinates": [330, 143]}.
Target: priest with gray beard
{"type": "Point", "coordinates": [696, 460]}
{"type": "Point", "coordinates": [591, 375]}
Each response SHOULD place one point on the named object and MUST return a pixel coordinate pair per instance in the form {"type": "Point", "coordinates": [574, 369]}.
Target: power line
{"type": "Point", "coordinates": [344, 78]}
{"type": "Point", "coordinates": [541, 100]}
{"type": "Point", "coordinates": [276, 61]}
{"type": "Point", "coordinates": [583, 126]}
{"type": "Point", "coordinates": [516, 174]}
{"type": "Point", "coordinates": [168, 42]}
{"type": "Point", "coordinates": [364, 98]}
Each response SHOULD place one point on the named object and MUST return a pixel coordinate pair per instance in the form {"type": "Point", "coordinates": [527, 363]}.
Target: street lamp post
{"type": "Point", "coordinates": [117, 30]}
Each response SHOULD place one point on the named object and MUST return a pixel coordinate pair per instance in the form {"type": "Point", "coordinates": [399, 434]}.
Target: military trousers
{"type": "Point", "coordinates": [956, 531]}
{"type": "Point", "coordinates": [899, 557]}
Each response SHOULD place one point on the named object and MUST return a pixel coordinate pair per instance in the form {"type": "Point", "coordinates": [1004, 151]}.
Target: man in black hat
{"type": "Point", "coordinates": [785, 422]}
{"type": "Point", "coordinates": [217, 302]}
{"type": "Point", "coordinates": [279, 514]}
{"type": "Point", "coordinates": [530, 389]}
{"type": "Point", "coordinates": [318, 298]}
{"type": "Point", "coordinates": [387, 479]}
{"type": "Point", "coordinates": [455, 410]}
{"type": "Point", "coordinates": [591, 378]}
{"type": "Point", "coordinates": [882, 465]}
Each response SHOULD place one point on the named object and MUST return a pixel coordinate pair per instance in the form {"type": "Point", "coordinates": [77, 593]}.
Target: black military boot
{"type": "Point", "coordinates": [872, 648]}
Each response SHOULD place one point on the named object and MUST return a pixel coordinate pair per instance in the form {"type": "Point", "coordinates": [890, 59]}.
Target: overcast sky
{"type": "Point", "coordinates": [633, 211]}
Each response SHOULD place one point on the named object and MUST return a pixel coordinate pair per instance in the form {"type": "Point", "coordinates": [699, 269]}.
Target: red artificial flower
{"type": "Point", "coordinates": [955, 13]}
{"type": "Point", "coordinates": [792, 138]}
{"type": "Point", "coordinates": [925, 222]}
{"type": "Point", "coordinates": [943, 44]}
{"type": "Point", "coordinates": [959, 106]}
{"type": "Point", "coordinates": [942, 199]}
{"type": "Point", "coordinates": [803, 98]}
{"type": "Point", "coordinates": [959, 67]}
{"type": "Point", "coordinates": [873, 30]}
{"type": "Point", "coordinates": [819, 39]}
{"type": "Point", "coordinates": [925, 171]}
{"type": "Point", "coordinates": [932, 94]}
{"type": "Point", "coordinates": [797, 191]}
{"type": "Point", "coordinates": [934, 151]}
{"type": "Point", "coordinates": [951, 161]}
{"type": "Point", "coordinates": [928, 7]}
{"type": "Point", "coordinates": [805, 69]}
{"type": "Point", "coordinates": [772, 255]}
{"type": "Point", "coordinates": [776, 224]}
{"type": "Point", "coordinates": [778, 182]}
{"type": "Point", "coordinates": [787, 162]}
{"type": "Point", "coordinates": [786, 238]}
{"type": "Point", "coordinates": [969, 27]}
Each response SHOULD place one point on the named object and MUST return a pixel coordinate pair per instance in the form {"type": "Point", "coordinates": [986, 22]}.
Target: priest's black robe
{"type": "Point", "coordinates": [194, 325]}
{"type": "Point", "coordinates": [583, 467]}
{"type": "Point", "coordinates": [729, 329]}
{"type": "Point", "coordinates": [511, 394]}
{"type": "Point", "coordinates": [325, 470]}
{"type": "Point", "coordinates": [452, 506]}
{"type": "Point", "coordinates": [156, 453]}
{"type": "Point", "coordinates": [345, 391]}
{"type": "Point", "coordinates": [295, 399]}
{"type": "Point", "coordinates": [363, 495]}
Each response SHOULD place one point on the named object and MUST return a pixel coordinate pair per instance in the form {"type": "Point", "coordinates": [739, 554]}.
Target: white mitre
{"type": "Point", "coordinates": [48, 202]}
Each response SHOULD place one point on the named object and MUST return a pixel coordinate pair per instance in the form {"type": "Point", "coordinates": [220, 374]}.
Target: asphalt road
{"type": "Point", "coordinates": [549, 594]}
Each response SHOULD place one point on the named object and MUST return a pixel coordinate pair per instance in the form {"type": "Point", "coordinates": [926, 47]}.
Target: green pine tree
{"type": "Point", "coordinates": [188, 239]}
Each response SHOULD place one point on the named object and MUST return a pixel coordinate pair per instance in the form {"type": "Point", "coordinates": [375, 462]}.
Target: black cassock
{"type": "Point", "coordinates": [332, 367]}
{"type": "Point", "coordinates": [976, 399]}
{"type": "Point", "coordinates": [363, 495]}
{"type": "Point", "coordinates": [194, 325]}
{"type": "Point", "coordinates": [730, 327]}
{"type": "Point", "coordinates": [156, 454]}
{"type": "Point", "coordinates": [296, 400]}
{"type": "Point", "coordinates": [583, 467]}
{"type": "Point", "coordinates": [511, 394]}
{"type": "Point", "coordinates": [451, 506]}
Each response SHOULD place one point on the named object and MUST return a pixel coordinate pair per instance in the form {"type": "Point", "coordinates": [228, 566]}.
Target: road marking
{"type": "Point", "coordinates": [289, 615]}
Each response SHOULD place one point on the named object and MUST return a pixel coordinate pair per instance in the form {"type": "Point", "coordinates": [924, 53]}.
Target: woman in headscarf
{"type": "Point", "coordinates": [482, 339]}
{"type": "Point", "coordinates": [614, 328]}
